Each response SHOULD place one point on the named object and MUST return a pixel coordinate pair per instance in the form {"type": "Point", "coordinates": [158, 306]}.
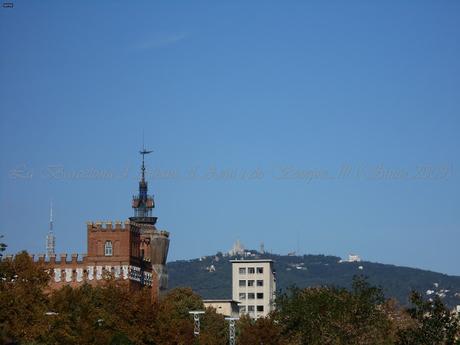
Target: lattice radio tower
{"type": "Point", "coordinates": [50, 238]}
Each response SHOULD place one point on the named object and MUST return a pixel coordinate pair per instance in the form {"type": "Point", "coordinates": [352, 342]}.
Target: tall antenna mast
{"type": "Point", "coordinates": [51, 216]}
{"type": "Point", "coordinates": [50, 238]}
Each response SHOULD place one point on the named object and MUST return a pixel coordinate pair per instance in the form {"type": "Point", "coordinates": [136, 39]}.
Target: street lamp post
{"type": "Point", "coordinates": [50, 313]}
{"type": "Point", "coordinates": [231, 329]}
{"type": "Point", "coordinates": [196, 321]}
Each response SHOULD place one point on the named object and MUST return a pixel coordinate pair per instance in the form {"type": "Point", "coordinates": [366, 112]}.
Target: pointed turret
{"type": "Point", "coordinates": [143, 203]}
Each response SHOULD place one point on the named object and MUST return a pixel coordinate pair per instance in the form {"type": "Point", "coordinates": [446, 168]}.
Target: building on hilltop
{"type": "Point", "coordinates": [354, 258]}
{"type": "Point", "coordinates": [237, 249]}
{"type": "Point", "coordinates": [133, 251]}
{"type": "Point", "coordinates": [351, 258]}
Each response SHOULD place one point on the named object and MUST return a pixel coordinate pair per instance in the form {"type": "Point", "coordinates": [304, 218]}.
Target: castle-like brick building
{"type": "Point", "coordinates": [133, 251]}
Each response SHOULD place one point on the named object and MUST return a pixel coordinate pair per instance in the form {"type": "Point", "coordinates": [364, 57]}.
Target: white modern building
{"type": "Point", "coordinates": [254, 286]}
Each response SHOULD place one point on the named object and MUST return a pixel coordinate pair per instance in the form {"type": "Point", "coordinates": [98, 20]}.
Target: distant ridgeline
{"type": "Point", "coordinates": [210, 276]}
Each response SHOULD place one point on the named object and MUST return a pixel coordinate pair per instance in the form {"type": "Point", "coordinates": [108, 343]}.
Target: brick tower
{"type": "Point", "coordinates": [154, 243]}
{"type": "Point", "coordinates": [133, 251]}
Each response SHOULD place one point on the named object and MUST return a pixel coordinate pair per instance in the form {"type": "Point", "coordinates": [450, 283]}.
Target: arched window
{"type": "Point", "coordinates": [108, 248]}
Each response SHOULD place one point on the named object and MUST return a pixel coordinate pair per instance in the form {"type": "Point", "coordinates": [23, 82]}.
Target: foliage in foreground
{"type": "Point", "coordinates": [111, 314]}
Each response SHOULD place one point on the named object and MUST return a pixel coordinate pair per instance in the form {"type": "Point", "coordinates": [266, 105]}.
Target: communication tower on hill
{"type": "Point", "coordinates": [50, 238]}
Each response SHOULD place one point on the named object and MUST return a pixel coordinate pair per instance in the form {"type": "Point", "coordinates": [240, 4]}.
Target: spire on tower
{"type": "Point", "coordinates": [143, 203]}
{"type": "Point", "coordinates": [143, 153]}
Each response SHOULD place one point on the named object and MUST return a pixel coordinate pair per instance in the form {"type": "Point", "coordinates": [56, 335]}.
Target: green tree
{"type": "Point", "coordinates": [263, 331]}
{"type": "Point", "coordinates": [79, 317]}
{"type": "Point", "coordinates": [434, 323]}
{"type": "Point", "coordinates": [329, 315]}
{"type": "Point", "coordinates": [108, 314]}
{"type": "Point", "coordinates": [174, 323]}
{"type": "Point", "coordinates": [214, 328]}
{"type": "Point", "coordinates": [23, 303]}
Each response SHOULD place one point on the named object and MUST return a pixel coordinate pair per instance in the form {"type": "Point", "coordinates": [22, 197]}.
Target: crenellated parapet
{"type": "Point", "coordinates": [150, 229]}
{"type": "Point", "coordinates": [62, 259]}
{"type": "Point", "coordinates": [162, 233]}
{"type": "Point", "coordinates": [67, 259]}
{"type": "Point", "coordinates": [108, 225]}
{"type": "Point", "coordinates": [72, 259]}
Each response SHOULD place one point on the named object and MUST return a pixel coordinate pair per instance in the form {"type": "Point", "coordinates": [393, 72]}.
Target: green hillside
{"type": "Point", "coordinates": [314, 270]}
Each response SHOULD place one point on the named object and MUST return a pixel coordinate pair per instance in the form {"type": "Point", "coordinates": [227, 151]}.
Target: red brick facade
{"type": "Point", "coordinates": [113, 248]}
{"type": "Point", "coordinates": [133, 251]}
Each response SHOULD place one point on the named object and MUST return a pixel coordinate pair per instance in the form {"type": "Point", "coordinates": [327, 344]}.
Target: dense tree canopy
{"type": "Point", "coordinates": [23, 303]}
{"type": "Point", "coordinates": [262, 331]}
{"type": "Point", "coordinates": [434, 323]}
{"type": "Point", "coordinates": [329, 315]}
{"type": "Point", "coordinates": [112, 314]}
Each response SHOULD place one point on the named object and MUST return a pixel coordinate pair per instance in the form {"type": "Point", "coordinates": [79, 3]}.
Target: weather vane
{"type": "Point", "coordinates": [144, 152]}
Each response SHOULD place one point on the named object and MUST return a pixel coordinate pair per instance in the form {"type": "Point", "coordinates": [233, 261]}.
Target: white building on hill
{"type": "Point", "coordinates": [238, 249]}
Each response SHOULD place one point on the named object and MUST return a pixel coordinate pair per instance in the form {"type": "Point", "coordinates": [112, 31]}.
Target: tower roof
{"type": "Point", "coordinates": [143, 203]}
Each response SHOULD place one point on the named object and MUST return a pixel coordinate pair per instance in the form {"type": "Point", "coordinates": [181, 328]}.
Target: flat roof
{"type": "Point", "coordinates": [255, 260]}
{"type": "Point", "coordinates": [219, 300]}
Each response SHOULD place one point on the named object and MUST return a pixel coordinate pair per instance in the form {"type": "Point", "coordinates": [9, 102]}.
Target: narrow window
{"type": "Point", "coordinates": [242, 296]}
{"type": "Point", "coordinates": [260, 283]}
{"type": "Point", "coordinates": [251, 295]}
{"type": "Point", "coordinates": [251, 270]}
{"type": "Point", "coordinates": [260, 270]}
{"type": "Point", "coordinates": [250, 282]}
{"type": "Point", "coordinates": [108, 248]}
{"type": "Point", "coordinates": [242, 283]}
{"type": "Point", "coordinates": [242, 270]}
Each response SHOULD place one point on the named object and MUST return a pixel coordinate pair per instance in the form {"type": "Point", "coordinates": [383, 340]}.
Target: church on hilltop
{"type": "Point", "coordinates": [133, 251]}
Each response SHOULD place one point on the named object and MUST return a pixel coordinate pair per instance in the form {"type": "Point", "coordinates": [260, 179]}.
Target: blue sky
{"type": "Point", "coordinates": [318, 126]}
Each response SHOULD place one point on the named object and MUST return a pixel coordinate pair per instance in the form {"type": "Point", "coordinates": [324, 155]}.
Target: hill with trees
{"type": "Point", "coordinates": [210, 276]}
